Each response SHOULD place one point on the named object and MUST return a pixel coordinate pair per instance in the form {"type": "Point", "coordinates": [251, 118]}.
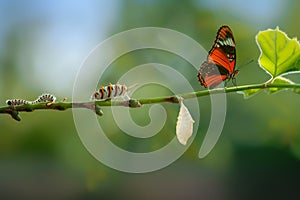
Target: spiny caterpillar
{"type": "Point", "coordinates": [17, 102]}
{"type": "Point", "coordinates": [110, 91]}
{"type": "Point", "coordinates": [48, 98]}
{"type": "Point", "coordinates": [44, 98]}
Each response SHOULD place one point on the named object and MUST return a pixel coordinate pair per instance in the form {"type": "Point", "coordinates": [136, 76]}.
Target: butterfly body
{"type": "Point", "coordinates": [220, 63]}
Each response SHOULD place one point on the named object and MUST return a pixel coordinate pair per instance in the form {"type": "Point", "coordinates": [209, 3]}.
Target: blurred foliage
{"type": "Point", "coordinates": [258, 151]}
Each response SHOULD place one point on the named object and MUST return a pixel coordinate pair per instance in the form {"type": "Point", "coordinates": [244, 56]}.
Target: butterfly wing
{"type": "Point", "coordinates": [220, 64]}
{"type": "Point", "coordinates": [211, 75]}
{"type": "Point", "coordinates": [223, 52]}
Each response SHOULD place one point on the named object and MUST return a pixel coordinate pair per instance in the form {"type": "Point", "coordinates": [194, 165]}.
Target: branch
{"type": "Point", "coordinates": [95, 106]}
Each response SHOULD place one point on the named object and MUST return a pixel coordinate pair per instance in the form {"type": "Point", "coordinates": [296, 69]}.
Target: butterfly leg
{"type": "Point", "coordinates": [234, 81]}
{"type": "Point", "coordinates": [225, 83]}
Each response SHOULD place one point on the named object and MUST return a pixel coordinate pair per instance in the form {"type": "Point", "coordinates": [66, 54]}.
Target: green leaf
{"type": "Point", "coordinates": [279, 80]}
{"type": "Point", "coordinates": [249, 93]}
{"type": "Point", "coordinates": [279, 54]}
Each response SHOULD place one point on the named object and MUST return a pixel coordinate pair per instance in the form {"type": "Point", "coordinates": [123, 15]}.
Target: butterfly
{"type": "Point", "coordinates": [220, 63]}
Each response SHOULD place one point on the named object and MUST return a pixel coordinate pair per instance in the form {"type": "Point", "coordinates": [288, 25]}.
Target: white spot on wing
{"type": "Point", "coordinates": [226, 42]}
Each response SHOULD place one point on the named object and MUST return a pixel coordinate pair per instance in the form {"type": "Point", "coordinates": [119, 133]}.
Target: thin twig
{"type": "Point", "coordinates": [95, 106]}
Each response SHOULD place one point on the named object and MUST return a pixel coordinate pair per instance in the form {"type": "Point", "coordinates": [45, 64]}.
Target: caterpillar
{"type": "Point", "coordinates": [17, 102]}
{"type": "Point", "coordinates": [110, 91]}
{"type": "Point", "coordinates": [44, 98]}
{"type": "Point", "coordinates": [48, 98]}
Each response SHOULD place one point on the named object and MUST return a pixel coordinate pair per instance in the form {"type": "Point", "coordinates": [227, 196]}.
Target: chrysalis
{"type": "Point", "coordinates": [184, 126]}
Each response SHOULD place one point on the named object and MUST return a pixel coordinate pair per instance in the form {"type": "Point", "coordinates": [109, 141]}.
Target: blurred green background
{"type": "Point", "coordinates": [43, 44]}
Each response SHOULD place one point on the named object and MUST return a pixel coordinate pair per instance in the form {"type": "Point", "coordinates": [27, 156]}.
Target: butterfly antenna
{"type": "Point", "coordinates": [246, 63]}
